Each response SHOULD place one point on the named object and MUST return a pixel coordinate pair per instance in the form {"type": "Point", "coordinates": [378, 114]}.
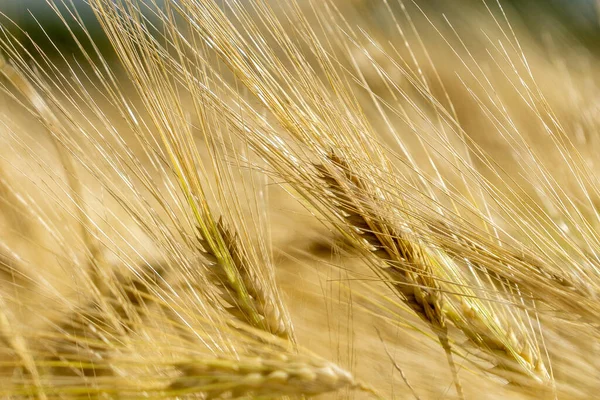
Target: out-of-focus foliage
{"type": "Point", "coordinates": [578, 19]}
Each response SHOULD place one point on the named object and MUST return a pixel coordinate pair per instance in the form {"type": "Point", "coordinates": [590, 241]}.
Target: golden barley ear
{"type": "Point", "coordinates": [404, 263]}
{"type": "Point", "coordinates": [414, 272]}
{"type": "Point", "coordinates": [246, 297]}
{"type": "Point", "coordinates": [263, 301]}
{"type": "Point", "coordinates": [516, 356]}
{"type": "Point", "coordinates": [278, 375]}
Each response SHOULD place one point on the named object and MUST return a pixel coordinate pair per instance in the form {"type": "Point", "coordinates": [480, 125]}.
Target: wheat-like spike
{"type": "Point", "coordinates": [510, 351]}
{"type": "Point", "coordinates": [264, 302]}
{"type": "Point", "coordinates": [503, 339]}
{"type": "Point", "coordinates": [284, 374]}
{"type": "Point", "coordinates": [264, 370]}
{"type": "Point", "coordinates": [385, 243]}
{"type": "Point", "coordinates": [418, 289]}
{"type": "Point", "coordinates": [237, 274]}
{"type": "Point", "coordinates": [458, 242]}
{"type": "Point", "coordinates": [515, 353]}
{"type": "Point", "coordinates": [260, 301]}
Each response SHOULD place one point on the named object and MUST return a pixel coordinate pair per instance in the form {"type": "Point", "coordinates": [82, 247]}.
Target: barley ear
{"type": "Point", "coordinates": [414, 283]}
{"type": "Point", "coordinates": [281, 375]}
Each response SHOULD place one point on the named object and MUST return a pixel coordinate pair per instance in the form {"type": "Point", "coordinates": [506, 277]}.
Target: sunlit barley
{"type": "Point", "coordinates": [254, 199]}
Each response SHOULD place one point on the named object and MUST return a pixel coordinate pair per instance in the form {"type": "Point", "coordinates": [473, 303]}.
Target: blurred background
{"type": "Point", "coordinates": [576, 19]}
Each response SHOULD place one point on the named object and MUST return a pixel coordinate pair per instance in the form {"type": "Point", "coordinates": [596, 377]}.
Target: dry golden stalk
{"type": "Point", "coordinates": [406, 264]}
{"type": "Point", "coordinates": [284, 374]}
